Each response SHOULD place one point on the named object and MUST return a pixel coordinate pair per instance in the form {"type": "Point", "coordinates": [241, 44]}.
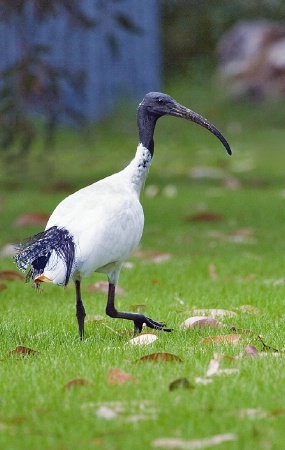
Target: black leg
{"type": "Point", "coordinates": [80, 310]}
{"type": "Point", "coordinates": [138, 319]}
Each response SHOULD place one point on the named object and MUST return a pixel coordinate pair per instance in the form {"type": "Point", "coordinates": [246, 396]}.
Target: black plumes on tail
{"type": "Point", "coordinates": [36, 251]}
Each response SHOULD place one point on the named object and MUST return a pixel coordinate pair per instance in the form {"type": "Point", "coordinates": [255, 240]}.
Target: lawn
{"type": "Point", "coordinates": [214, 239]}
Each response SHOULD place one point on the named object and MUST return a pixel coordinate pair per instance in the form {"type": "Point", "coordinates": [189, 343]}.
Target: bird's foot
{"type": "Point", "coordinates": [138, 324]}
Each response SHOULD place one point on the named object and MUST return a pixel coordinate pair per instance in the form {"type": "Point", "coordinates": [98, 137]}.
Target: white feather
{"type": "Point", "coordinates": [106, 221]}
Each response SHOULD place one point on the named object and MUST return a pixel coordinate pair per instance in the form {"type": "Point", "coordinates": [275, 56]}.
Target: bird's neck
{"type": "Point", "coordinates": [137, 170]}
{"type": "Point", "coordinates": [146, 126]}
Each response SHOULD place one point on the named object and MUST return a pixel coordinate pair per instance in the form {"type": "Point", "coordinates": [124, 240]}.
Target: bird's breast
{"type": "Point", "coordinates": [109, 237]}
{"type": "Point", "coordinates": [106, 221]}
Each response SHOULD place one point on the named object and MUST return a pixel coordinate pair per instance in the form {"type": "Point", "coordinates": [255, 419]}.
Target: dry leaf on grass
{"type": "Point", "coordinates": [232, 183]}
{"type": "Point", "coordinates": [2, 286]}
{"type": "Point", "coordinates": [118, 376]}
{"type": "Point", "coordinates": [249, 309]}
{"type": "Point", "coordinates": [204, 381]}
{"type": "Point", "coordinates": [212, 173]}
{"type": "Point", "coordinates": [227, 358]}
{"type": "Point", "coordinates": [143, 339]}
{"type": "Point", "coordinates": [239, 236]}
{"type": "Point", "coordinates": [276, 412]}
{"type": "Point", "coordinates": [32, 218]}
{"type": "Point", "coordinates": [129, 411]}
{"type": "Point", "coordinates": [105, 412]}
{"type": "Point", "coordinates": [193, 444]}
{"type": "Point", "coordinates": [204, 216]}
{"type": "Point", "coordinates": [200, 321]}
{"type": "Point", "coordinates": [180, 383]}
{"type": "Point", "coordinates": [149, 255]}
{"type": "Point", "coordinates": [214, 312]}
{"type": "Point", "coordinates": [249, 277]}
{"type": "Point", "coordinates": [257, 413]}
{"type": "Point", "coordinates": [8, 251]}
{"type": "Point", "coordinates": [170, 191]}
{"type": "Point", "coordinates": [151, 190]}
{"type": "Point", "coordinates": [60, 186]}
{"type": "Point", "coordinates": [77, 382]}
{"type": "Point", "coordinates": [251, 350]}
{"type": "Point", "coordinates": [213, 272]}
{"type": "Point", "coordinates": [214, 369]}
{"type": "Point", "coordinates": [249, 413]}
{"type": "Point", "coordinates": [11, 275]}
{"type": "Point", "coordinates": [139, 308]}
{"type": "Point", "coordinates": [23, 351]}
{"type": "Point", "coordinates": [274, 282]}
{"type": "Point", "coordinates": [97, 318]}
{"type": "Point", "coordinates": [222, 339]}
{"type": "Point", "coordinates": [160, 357]}
{"type": "Point", "coordinates": [103, 286]}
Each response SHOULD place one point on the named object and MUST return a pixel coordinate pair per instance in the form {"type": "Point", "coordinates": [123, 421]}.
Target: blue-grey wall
{"type": "Point", "coordinates": [109, 75]}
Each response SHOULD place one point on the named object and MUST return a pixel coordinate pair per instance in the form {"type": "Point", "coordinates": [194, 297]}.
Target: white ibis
{"type": "Point", "coordinates": [98, 227]}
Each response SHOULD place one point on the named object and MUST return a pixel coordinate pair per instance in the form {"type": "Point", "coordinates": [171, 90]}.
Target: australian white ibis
{"type": "Point", "coordinates": [98, 227]}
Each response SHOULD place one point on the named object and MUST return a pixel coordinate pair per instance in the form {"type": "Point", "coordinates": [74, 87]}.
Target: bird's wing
{"type": "Point", "coordinates": [106, 222]}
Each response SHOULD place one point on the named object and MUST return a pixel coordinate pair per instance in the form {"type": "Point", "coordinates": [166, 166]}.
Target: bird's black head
{"type": "Point", "coordinates": [155, 105]}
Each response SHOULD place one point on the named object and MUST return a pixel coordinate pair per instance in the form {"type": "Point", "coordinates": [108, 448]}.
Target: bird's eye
{"type": "Point", "coordinates": [160, 101]}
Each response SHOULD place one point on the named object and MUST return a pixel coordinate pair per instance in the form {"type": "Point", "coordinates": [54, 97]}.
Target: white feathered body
{"type": "Point", "coordinates": [105, 220]}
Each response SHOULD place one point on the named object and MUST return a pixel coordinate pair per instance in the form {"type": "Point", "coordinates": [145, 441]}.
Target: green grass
{"type": "Point", "coordinates": [246, 247]}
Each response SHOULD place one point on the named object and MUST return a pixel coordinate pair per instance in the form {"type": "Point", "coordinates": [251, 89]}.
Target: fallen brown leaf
{"type": "Point", "coordinates": [128, 411]}
{"type": "Point", "coordinates": [251, 351]}
{"type": "Point", "coordinates": [140, 308]}
{"type": "Point", "coordinates": [160, 357]}
{"type": "Point", "coordinates": [11, 275]}
{"type": "Point", "coordinates": [60, 186]}
{"type": "Point", "coordinates": [143, 339]}
{"type": "Point", "coordinates": [118, 376]}
{"type": "Point", "coordinates": [180, 383]}
{"type": "Point", "coordinates": [249, 309]}
{"type": "Point", "coordinates": [222, 357]}
{"type": "Point", "coordinates": [200, 321]}
{"type": "Point", "coordinates": [232, 183]}
{"type": "Point", "coordinates": [149, 255]}
{"type": "Point", "coordinates": [212, 173]}
{"type": "Point", "coordinates": [276, 412]}
{"type": "Point", "coordinates": [103, 286]}
{"type": "Point", "coordinates": [97, 318]}
{"type": "Point", "coordinates": [213, 368]}
{"type": "Point", "coordinates": [2, 286]}
{"type": "Point", "coordinates": [212, 271]}
{"type": "Point", "coordinates": [214, 312]}
{"type": "Point", "coordinates": [104, 412]}
{"type": "Point", "coordinates": [32, 218]}
{"type": "Point", "coordinates": [8, 251]}
{"type": "Point", "coordinates": [205, 216]}
{"type": "Point", "coordinates": [193, 444]}
{"type": "Point", "coordinates": [247, 278]}
{"type": "Point", "coordinates": [77, 382]}
{"type": "Point", "coordinates": [204, 381]}
{"type": "Point", "coordinates": [24, 351]}
{"type": "Point", "coordinates": [222, 339]}
{"type": "Point", "coordinates": [250, 413]}
{"type": "Point", "coordinates": [239, 236]}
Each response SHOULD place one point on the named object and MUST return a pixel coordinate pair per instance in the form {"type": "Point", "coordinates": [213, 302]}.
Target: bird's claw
{"type": "Point", "coordinates": [138, 324]}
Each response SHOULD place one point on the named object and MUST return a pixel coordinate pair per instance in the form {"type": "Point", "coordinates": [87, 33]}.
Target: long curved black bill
{"type": "Point", "coordinates": [188, 114]}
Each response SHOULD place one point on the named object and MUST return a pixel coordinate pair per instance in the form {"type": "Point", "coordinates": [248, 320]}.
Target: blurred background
{"type": "Point", "coordinates": [66, 65]}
